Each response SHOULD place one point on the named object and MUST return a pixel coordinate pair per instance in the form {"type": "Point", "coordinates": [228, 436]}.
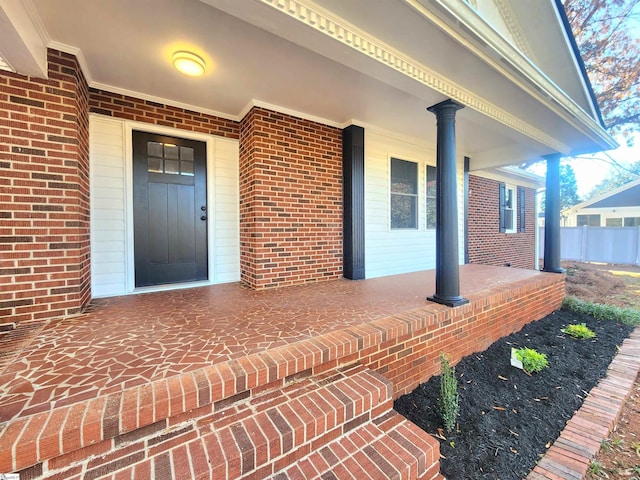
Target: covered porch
{"type": "Point", "coordinates": [145, 365]}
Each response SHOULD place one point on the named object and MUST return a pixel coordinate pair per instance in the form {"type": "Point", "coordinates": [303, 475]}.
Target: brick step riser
{"type": "Point", "coordinates": [252, 438]}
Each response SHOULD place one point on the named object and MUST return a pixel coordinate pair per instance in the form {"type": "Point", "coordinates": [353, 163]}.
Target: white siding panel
{"type": "Point", "coordinates": [387, 251]}
{"type": "Point", "coordinates": [111, 215]}
{"type": "Point", "coordinates": [226, 185]}
{"type": "Point", "coordinates": [108, 236]}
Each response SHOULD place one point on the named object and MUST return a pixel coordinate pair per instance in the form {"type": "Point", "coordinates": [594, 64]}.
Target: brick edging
{"type": "Point", "coordinates": [570, 455]}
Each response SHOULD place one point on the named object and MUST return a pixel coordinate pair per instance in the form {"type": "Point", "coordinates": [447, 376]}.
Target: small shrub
{"type": "Point", "coordinates": [579, 331]}
{"type": "Point", "coordinates": [449, 401]}
{"type": "Point", "coordinates": [629, 316]}
{"type": "Point", "coordinates": [532, 361]}
{"type": "Point", "coordinates": [596, 468]}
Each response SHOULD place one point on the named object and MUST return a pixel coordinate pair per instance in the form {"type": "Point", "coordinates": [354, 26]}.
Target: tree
{"type": "Point", "coordinates": [616, 179]}
{"type": "Point", "coordinates": [610, 53]}
{"type": "Point", "coordinates": [568, 188]}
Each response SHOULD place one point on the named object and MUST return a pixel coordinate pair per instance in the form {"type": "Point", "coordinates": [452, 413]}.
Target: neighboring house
{"type": "Point", "coordinates": [304, 153]}
{"type": "Point", "coordinates": [617, 208]}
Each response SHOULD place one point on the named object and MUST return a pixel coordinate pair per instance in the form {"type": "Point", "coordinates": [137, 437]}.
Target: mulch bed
{"type": "Point", "coordinates": [509, 418]}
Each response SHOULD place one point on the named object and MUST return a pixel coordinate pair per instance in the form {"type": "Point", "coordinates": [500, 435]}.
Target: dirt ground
{"type": "Point", "coordinates": [599, 283]}
{"type": "Point", "coordinates": [619, 457]}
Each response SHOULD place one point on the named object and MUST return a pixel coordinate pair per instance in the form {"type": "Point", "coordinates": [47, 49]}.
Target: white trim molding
{"type": "Point", "coordinates": [344, 32]}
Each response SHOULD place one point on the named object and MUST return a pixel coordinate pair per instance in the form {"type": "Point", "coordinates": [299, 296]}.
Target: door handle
{"type": "Point", "coordinates": [203, 217]}
{"type": "Point", "coordinates": [203, 208]}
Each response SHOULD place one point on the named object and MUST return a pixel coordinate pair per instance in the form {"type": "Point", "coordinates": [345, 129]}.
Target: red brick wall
{"type": "Point", "coordinates": [44, 192]}
{"type": "Point", "coordinates": [130, 108]}
{"type": "Point", "coordinates": [290, 200]}
{"type": "Point", "coordinates": [127, 427]}
{"type": "Point", "coordinates": [486, 244]}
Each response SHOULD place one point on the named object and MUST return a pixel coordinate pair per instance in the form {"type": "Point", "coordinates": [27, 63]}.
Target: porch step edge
{"type": "Point", "coordinates": [389, 446]}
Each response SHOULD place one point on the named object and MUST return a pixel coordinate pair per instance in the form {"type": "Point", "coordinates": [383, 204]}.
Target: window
{"type": "Point", "coordinates": [507, 199]}
{"type": "Point", "coordinates": [632, 221]}
{"type": "Point", "coordinates": [614, 222]}
{"type": "Point", "coordinates": [431, 197]}
{"type": "Point", "coordinates": [592, 220]}
{"type": "Point", "coordinates": [404, 194]}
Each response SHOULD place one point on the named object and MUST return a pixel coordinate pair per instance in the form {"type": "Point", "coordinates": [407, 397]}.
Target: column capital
{"type": "Point", "coordinates": [445, 105]}
{"type": "Point", "coordinates": [553, 156]}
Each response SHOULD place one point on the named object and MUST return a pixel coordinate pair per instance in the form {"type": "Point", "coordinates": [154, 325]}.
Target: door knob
{"type": "Point", "coordinates": [203, 217]}
{"type": "Point", "coordinates": [203, 208]}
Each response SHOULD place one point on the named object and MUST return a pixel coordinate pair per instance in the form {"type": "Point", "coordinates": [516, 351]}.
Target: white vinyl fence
{"type": "Point", "coordinates": [597, 244]}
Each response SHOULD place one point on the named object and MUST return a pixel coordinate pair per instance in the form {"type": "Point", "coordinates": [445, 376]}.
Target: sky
{"type": "Point", "coordinates": [592, 169]}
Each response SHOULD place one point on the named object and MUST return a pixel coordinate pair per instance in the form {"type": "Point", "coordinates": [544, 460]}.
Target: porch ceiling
{"type": "Point", "coordinates": [256, 54]}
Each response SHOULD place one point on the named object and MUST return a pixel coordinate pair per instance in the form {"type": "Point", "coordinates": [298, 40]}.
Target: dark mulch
{"type": "Point", "coordinates": [506, 425]}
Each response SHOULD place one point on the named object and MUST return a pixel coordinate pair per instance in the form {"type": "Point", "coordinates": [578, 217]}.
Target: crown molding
{"type": "Point", "coordinates": [76, 52]}
{"type": "Point", "coordinates": [287, 111]}
{"type": "Point", "coordinates": [164, 101]}
{"type": "Point", "coordinates": [38, 24]}
{"type": "Point", "coordinates": [314, 16]}
{"type": "Point", "coordinates": [514, 27]}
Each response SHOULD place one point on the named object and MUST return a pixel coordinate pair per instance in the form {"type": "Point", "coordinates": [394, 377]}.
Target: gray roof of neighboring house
{"type": "Point", "coordinates": [627, 195]}
{"type": "Point", "coordinates": [626, 198]}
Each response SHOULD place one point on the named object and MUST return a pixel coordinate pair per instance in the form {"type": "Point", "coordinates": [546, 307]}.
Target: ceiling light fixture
{"type": "Point", "coordinates": [189, 63]}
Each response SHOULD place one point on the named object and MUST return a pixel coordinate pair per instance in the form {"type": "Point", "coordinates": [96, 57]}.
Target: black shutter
{"type": "Point", "coordinates": [502, 207]}
{"type": "Point", "coordinates": [522, 208]}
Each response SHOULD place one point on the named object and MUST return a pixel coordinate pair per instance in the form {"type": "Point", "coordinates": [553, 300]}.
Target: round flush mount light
{"type": "Point", "coordinates": [189, 63]}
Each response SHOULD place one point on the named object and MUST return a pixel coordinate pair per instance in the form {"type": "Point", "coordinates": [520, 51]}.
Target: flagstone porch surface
{"type": "Point", "coordinates": [127, 341]}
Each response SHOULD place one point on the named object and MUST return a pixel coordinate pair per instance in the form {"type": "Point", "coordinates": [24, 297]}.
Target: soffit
{"type": "Point", "coordinates": [255, 53]}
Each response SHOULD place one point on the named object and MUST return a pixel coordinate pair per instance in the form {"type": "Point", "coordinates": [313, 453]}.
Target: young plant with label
{"type": "Point", "coordinates": [532, 360]}
{"type": "Point", "coordinates": [449, 401]}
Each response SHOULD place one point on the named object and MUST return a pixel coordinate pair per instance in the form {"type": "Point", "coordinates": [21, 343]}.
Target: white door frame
{"type": "Point", "coordinates": [129, 127]}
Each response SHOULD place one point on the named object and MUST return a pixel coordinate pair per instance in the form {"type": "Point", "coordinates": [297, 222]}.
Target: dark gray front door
{"type": "Point", "coordinates": [169, 209]}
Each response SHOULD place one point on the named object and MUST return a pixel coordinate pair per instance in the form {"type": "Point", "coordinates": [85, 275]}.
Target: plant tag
{"type": "Point", "coordinates": [515, 361]}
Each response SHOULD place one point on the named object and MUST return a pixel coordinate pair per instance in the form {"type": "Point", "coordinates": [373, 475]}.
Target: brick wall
{"type": "Point", "coordinates": [44, 192]}
{"type": "Point", "coordinates": [126, 428]}
{"type": "Point", "coordinates": [487, 245]}
{"type": "Point", "coordinates": [290, 200]}
{"type": "Point", "coordinates": [130, 108]}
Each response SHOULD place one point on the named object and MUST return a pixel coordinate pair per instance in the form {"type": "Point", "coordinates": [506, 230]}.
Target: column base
{"type": "Point", "coordinates": [448, 301]}
{"type": "Point", "coordinates": [553, 270]}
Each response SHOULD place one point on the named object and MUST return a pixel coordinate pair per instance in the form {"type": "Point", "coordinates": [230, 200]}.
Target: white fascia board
{"type": "Point", "coordinates": [514, 175]}
{"type": "Point", "coordinates": [462, 22]}
{"type": "Point", "coordinates": [23, 38]}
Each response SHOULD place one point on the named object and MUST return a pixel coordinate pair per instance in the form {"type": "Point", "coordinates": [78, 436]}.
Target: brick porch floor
{"type": "Point", "coordinates": [126, 341]}
{"type": "Point", "coordinates": [143, 383]}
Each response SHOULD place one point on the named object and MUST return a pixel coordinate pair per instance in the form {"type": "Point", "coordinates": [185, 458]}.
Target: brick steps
{"type": "Point", "coordinates": [388, 447]}
{"type": "Point", "coordinates": [336, 424]}
{"type": "Point", "coordinates": [339, 423]}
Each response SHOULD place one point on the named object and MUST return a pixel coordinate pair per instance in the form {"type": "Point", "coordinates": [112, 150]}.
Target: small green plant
{"type": "Point", "coordinates": [449, 401]}
{"type": "Point", "coordinates": [609, 444]}
{"type": "Point", "coordinates": [629, 316]}
{"type": "Point", "coordinates": [532, 360]}
{"type": "Point", "coordinates": [579, 331]}
{"type": "Point", "coordinates": [596, 468]}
